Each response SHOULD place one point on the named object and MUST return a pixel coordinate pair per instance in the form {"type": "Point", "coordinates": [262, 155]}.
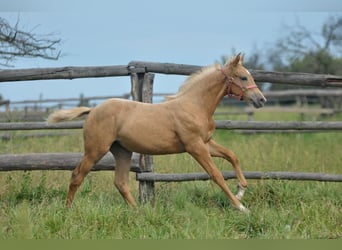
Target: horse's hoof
{"type": "Point", "coordinates": [243, 209]}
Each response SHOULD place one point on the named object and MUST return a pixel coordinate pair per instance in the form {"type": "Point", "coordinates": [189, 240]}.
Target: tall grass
{"type": "Point", "coordinates": [184, 210]}
{"type": "Point", "coordinates": [32, 203]}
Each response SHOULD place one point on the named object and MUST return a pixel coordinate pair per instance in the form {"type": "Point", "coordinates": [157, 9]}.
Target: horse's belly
{"type": "Point", "coordinates": [151, 142]}
{"type": "Point", "coordinates": [148, 129]}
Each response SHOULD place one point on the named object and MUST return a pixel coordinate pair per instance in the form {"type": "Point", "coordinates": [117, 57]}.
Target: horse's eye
{"type": "Point", "coordinates": [243, 78]}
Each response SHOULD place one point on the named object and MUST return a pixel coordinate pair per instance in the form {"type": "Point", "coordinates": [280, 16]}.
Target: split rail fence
{"type": "Point", "coordinates": [142, 77]}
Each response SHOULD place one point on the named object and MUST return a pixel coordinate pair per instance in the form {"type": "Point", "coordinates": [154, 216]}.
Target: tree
{"type": "Point", "coordinates": [302, 50]}
{"type": "Point", "coordinates": [15, 43]}
{"type": "Point", "coordinates": [306, 51]}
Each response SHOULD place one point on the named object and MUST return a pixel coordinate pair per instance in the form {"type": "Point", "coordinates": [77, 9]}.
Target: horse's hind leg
{"type": "Point", "coordinates": [217, 150]}
{"type": "Point", "coordinates": [93, 153]}
{"type": "Point", "coordinates": [122, 168]}
{"type": "Point", "coordinates": [78, 175]}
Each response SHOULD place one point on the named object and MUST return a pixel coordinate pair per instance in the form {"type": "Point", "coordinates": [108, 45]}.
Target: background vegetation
{"type": "Point", "coordinates": [301, 50]}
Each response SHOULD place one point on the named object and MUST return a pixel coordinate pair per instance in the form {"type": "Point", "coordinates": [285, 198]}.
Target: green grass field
{"type": "Point", "coordinates": [32, 203]}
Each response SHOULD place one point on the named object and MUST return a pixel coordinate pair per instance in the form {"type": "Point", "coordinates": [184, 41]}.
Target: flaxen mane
{"type": "Point", "coordinates": [193, 79]}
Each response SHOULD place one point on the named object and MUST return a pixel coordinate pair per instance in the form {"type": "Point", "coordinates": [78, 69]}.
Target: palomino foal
{"type": "Point", "coordinates": [184, 123]}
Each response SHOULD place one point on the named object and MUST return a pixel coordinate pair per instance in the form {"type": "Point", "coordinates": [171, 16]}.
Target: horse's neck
{"type": "Point", "coordinates": [206, 94]}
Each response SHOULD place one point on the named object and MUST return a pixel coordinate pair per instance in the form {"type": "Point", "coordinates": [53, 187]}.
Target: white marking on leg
{"type": "Point", "coordinates": [241, 192]}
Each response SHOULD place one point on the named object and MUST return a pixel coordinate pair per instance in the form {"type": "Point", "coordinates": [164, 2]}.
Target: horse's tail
{"type": "Point", "coordinates": [68, 114]}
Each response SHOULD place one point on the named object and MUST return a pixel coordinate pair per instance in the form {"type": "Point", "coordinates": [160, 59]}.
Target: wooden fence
{"type": "Point", "coordinates": [137, 67]}
{"type": "Point", "coordinates": [141, 74]}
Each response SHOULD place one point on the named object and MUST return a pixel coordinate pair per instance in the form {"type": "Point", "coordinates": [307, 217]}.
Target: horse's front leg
{"type": "Point", "coordinates": [201, 153]}
{"type": "Point", "coordinates": [217, 150]}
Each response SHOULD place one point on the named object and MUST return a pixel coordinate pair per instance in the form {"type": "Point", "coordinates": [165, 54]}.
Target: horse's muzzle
{"type": "Point", "coordinates": [258, 102]}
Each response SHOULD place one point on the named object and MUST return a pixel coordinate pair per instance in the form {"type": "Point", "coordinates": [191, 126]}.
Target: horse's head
{"type": "Point", "coordinates": [240, 82]}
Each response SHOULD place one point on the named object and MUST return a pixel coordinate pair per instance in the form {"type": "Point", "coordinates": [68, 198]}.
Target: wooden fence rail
{"type": "Point", "coordinates": [303, 92]}
{"type": "Point", "coordinates": [274, 125]}
{"type": "Point", "coordinates": [68, 161]}
{"type": "Point", "coordinates": [39, 125]}
{"type": "Point", "coordinates": [10, 75]}
{"type": "Point", "coordinates": [222, 124]}
{"type": "Point", "coordinates": [59, 100]}
{"type": "Point", "coordinates": [54, 161]}
{"type": "Point", "coordinates": [232, 175]}
{"type": "Point", "coordinates": [258, 75]}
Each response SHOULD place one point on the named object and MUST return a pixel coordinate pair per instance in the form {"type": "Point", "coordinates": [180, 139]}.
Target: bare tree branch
{"type": "Point", "coordinates": [332, 32]}
{"type": "Point", "coordinates": [16, 43]}
{"type": "Point", "coordinates": [301, 44]}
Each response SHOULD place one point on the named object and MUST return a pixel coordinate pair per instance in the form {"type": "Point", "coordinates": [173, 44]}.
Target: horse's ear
{"type": "Point", "coordinates": [238, 59]}
{"type": "Point", "coordinates": [242, 57]}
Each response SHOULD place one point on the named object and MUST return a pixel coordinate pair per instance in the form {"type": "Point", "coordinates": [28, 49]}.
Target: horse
{"type": "Point", "coordinates": [183, 123]}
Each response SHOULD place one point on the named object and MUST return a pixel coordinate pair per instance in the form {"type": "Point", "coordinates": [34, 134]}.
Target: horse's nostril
{"type": "Point", "coordinates": [263, 100]}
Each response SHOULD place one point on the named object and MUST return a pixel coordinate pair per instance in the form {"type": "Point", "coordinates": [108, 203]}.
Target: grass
{"type": "Point", "coordinates": [32, 203]}
{"type": "Point", "coordinates": [279, 210]}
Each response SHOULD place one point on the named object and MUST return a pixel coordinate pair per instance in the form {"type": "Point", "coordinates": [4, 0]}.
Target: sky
{"type": "Point", "coordinates": [100, 33]}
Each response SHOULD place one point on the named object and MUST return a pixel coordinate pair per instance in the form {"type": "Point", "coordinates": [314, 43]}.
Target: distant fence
{"type": "Point", "coordinates": [141, 74]}
{"type": "Point", "coordinates": [330, 101]}
{"type": "Point", "coordinates": [33, 110]}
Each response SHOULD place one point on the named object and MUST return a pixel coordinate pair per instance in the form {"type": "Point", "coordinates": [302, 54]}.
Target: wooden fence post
{"type": "Point", "coordinates": [142, 91]}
